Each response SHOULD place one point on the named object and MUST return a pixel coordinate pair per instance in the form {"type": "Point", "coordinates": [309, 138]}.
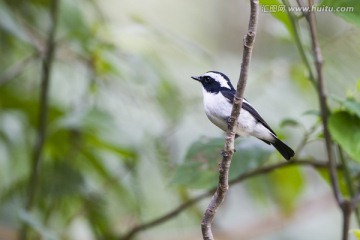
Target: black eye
{"type": "Point", "coordinates": [206, 79]}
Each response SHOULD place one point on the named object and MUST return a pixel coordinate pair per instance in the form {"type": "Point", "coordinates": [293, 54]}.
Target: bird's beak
{"type": "Point", "coordinates": [196, 78]}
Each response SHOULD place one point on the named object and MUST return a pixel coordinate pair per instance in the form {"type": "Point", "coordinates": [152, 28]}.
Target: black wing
{"type": "Point", "coordinates": [230, 95]}
{"type": "Point", "coordinates": [256, 115]}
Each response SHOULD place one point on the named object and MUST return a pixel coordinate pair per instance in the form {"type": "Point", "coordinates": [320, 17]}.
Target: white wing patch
{"type": "Point", "coordinates": [219, 79]}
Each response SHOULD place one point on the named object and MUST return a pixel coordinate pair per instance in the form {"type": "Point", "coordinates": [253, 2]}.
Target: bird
{"type": "Point", "coordinates": [218, 99]}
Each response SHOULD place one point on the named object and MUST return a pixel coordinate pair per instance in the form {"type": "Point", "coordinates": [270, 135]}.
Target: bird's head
{"type": "Point", "coordinates": [214, 82]}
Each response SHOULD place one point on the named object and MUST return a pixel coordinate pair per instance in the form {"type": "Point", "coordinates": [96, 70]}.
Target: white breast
{"type": "Point", "coordinates": [218, 110]}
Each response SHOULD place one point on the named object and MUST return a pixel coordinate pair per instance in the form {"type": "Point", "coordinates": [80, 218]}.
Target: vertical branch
{"type": "Point", "coordinates": [43, 108]}
{"type": "Point", "coordinates": [323, 105]}
{"type": "Point", "coordinates": [47, 63]}
{"type": "Point", "coordinates": [345, 205]}
{"type": "Point", "coordinates": [347, 209]}
{"type": "Point", "coordinates": [228, 152]}
{"type": "Point", "coordinates": [350, 184]}
{"type": "Point", "coordinates": [302, 6]}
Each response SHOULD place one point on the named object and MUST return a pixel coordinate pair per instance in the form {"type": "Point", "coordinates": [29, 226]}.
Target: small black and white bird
{"type": "Point", "coordinates": [219, 96]}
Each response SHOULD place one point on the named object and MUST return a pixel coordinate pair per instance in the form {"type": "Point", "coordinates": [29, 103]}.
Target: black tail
{"type": "Point", "coordinates": [284, 149]}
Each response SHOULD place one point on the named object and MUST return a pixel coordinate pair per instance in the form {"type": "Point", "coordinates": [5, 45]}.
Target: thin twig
{"type": "Point", "coordinates": [43, 112]}
{"type": "Point", "coordinates": [298, 42]}
{"type": "Point", "coordinates": [306, 138]}
{"type": "Point", "coordinates": [16, 69]}
{"type": "Point", "coordinates": [133, 232]}
{"type": "Point", "coordinates": [44, 102]}
{"type": "Point", "coordinates": [349, 182]}
{"type": "Point", "coordinates": [303, 7]}
{"type": "Point", "coordinates": [345, 205]}
{"type": "Point", "coordinates": [347, 209]}
{"type": "Point", "coordinates": [228, 152]}
{"type": "Point", "coordinates": [323, 106]}
{"type": "Point", "coordinates": [254, 173]}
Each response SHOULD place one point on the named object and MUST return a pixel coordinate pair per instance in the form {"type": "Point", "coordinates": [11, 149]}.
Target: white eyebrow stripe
{"type": "Point", "coordinates": [220, 79]}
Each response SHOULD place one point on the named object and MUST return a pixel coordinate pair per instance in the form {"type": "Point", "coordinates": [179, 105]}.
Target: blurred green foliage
{"type": "Point", "coordinates": [203, 156]}
{"type": "Point", "coordinates": [347, 9]}
{"type": "Point", "coordinates": [282, 16]}
{"type": "Point", "coordinates": [74, 178]}
{"type": "Point", "coordinates": [345, 129]}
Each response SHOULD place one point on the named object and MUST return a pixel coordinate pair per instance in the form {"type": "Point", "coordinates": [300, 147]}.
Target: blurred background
{"type": "Point", "coordinates": [127, 140]}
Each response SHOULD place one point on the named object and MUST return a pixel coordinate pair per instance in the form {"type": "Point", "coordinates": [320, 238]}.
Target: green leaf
{"type": "Point", "coordinates": [200, 169]}
{"type": "Point", "coordinates": [280, 15]}
{"type": "Point", "coordinates": [345, 130]}
{"type": "Point", "coordinates": [95, 209]}
{"type": "Point", "coordinates": [282, 186]}
{"type": "Point", "coordinates": [26, 103]}
{"type": "Point", "coordinates": [127, 155]}
{"type": "Point", "coordinates": [287, 186]}
{"type": "Point", "coordinates": [102, 65]}
{"type": "Point", "coordinates": [352, 106]}
{"type": "Point", "coordinates": [57, 175]}
{"type": "Point", "coordinates": [349, 10]}
{"type": "Point", "coordinates": [10, 192]}
{"type": "Point", "coordinates": [312, 112]}
{"type": "Point", "coordinates": [93, 163]}
{"type": "Point", "coordinates": [324, 173]}
{"type": "Point", "coordinates": [289, 122]}
{"type": "Point", "coordinates": [356, 233]}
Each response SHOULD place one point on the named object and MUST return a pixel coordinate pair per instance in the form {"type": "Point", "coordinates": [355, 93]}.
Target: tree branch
{"type": "Point", "coordinates": [254, 173]}
{"type": "Point", "coordinates": [298, 41]}
{"type": "Point", "coordinates": [302, 6]}
{"type": "Point", "coordinates": [228, 152]}
{"type": "Point", "coordinates": [43, 112]}
{"type": "Point", "coordinates": [16, 69]}
{"type": "Point", "coordinates": [323, 105]}
{"type": "Point", "coordinates": [346, 206]}
{"type": "Point", "coordinates": [349, 183]}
